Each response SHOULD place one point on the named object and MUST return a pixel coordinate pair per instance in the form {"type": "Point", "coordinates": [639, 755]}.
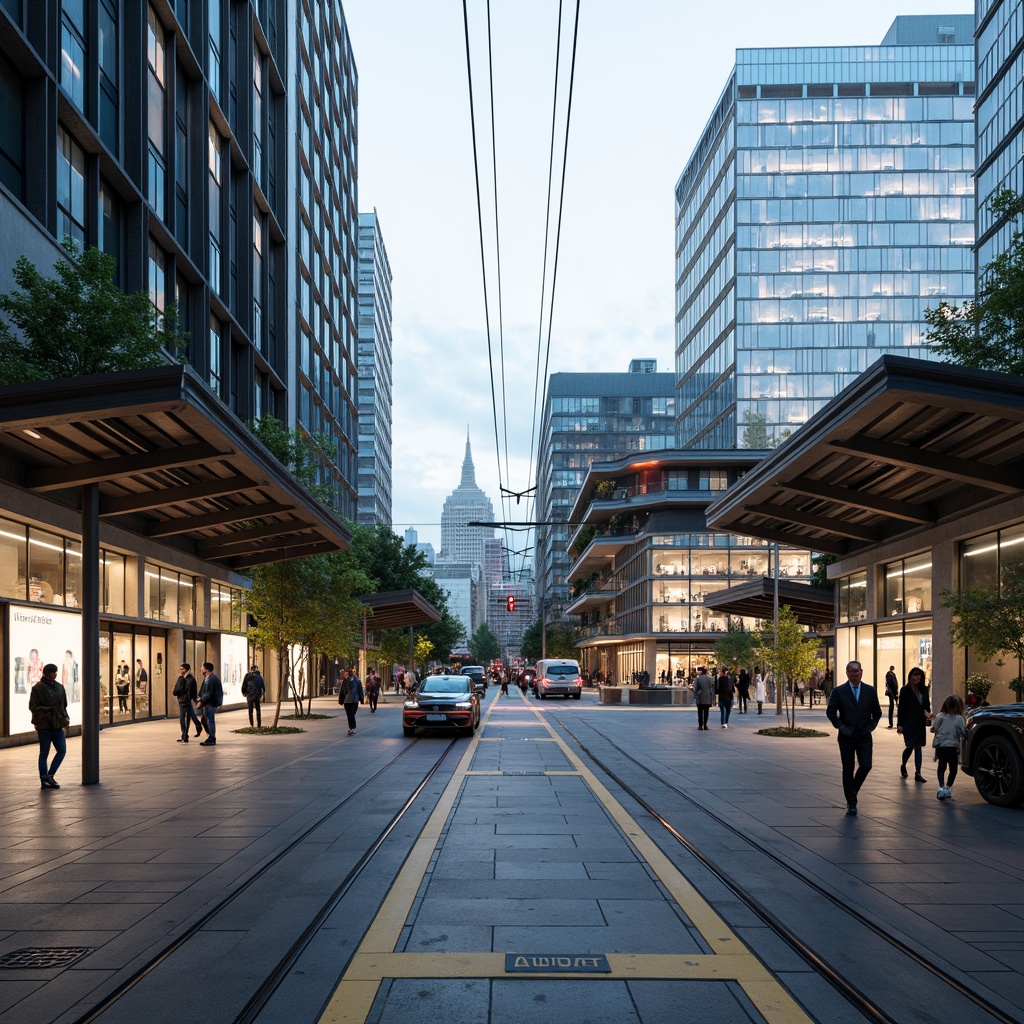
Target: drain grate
{"type": "Point", "coordinates": [42, 958]}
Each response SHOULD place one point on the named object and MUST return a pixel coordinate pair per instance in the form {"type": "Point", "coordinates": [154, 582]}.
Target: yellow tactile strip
{"type": "Point", "coordinates": [376, 959]}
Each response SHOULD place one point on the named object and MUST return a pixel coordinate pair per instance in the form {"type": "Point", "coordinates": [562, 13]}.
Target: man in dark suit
{"type": "Point", "coordinates": [854, 710]}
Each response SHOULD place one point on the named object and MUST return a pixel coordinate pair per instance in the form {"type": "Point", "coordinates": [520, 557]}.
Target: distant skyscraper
{"type": "Point", "coordinates": [425, 548]}
{"type": "Point", "coordinates": [467, 503]}
{"type": "Point", "coordinates": [374, 393]}
{"type": "Point", "coordinates": [829, 201]}
{"type": "Point", "coordinates": [463, 588]}
{"type": "Point", "coordinates": [591, 417]}
{"type": "Point", "coordinates": [1000, 36]}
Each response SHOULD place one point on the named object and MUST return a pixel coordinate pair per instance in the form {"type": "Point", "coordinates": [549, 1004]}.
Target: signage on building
{"type": "Point", "coordinates": [39, 636]}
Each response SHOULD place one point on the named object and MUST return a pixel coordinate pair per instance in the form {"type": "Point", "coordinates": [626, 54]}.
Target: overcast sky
{"type": "Point", "coordinates": [648, 74]}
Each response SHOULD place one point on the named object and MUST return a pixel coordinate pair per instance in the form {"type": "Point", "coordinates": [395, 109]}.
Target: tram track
{"type": "Point", "coordinates": [259, 999]}
{"type": "Point", "coordinates": [836, 978]}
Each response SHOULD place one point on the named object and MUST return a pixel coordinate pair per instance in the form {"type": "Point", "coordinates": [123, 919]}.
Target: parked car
{"type": "Point", "coordinates": [478, 674]}
{"type": "Point", "coordinates": [443, 702]}
{"type": "Point", "coordinates": [993, 753]}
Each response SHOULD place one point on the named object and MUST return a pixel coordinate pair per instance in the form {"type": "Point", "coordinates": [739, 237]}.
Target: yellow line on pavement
{"type": "Point", "coordinates": [376, 959]}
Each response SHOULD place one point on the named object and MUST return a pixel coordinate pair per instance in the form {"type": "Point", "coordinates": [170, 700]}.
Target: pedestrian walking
{"type": "Point", "coordinates": [742, 691]}
{"type": "Point", "coordinates": [48, 705]}
{"type": "Point", "coordinates": [211, 696]}
{"type": "Point", "coordinates": [759, 690]}
{"type": "Point", "coordinates": [950, 728]}
{"type": "Point", "coordinates": [253, 689]}
{"type": "Point", "coordinates": [351, 697]}
{"type": "Point", "coordinates": [373, 691]}
{"type": "Point", "coordinates": [912, 717]}
{"type": "Point", "coordinates": [854, 710]}
{"type": "Point", "coordinates": [892, 690]}
{"type": "Point", "coordinates": [186, 689]}
{"type": "Point", "coordinates": [726, 691]}
{"type": "Point", "coordinates": [704, 696]}
{"type": "Point", "coordinates": [504, 683]}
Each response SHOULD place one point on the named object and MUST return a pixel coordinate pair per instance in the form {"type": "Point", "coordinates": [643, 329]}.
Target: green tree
{"type": "Point", "coordinates": [484, 646]}
{"type": "Point", "coordinates": [562, 640]}
{"type": "Point", "coordinates": [302, 455]}
{"type": "Point", "coordinates": [530, 646]}
{"type": "Point", "coordinates": [309, 603]}
{"type": "Point", "coordinates": [819, 570]}
{"type": "Point", "coordinates": [990, 620]}
{"type": "Point", "coordinates": [79, 322]}
{"type": "Point", "coordinates": [988, 332]}
{"type": "Point", "coordinates": [791, 657]}
{"type": "Point", "coordinates": [736, 647]}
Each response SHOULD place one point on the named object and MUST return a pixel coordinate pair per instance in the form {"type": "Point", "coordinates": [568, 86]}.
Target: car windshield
{"type": "Point", "coordinates": [562, 672]}
{"type": "Point", "coordinates": [444, 684]}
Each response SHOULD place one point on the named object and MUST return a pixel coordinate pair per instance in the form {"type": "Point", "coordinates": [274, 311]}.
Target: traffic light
{"type": "Point", "coordinates": [510, 603]}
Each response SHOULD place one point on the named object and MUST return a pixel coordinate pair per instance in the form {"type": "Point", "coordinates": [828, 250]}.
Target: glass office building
{"type": "Point", "coordinates": [375, 381]}
{"type": "Point", "coordinates": [1000, 115]}
{"type": "Point", "coordinates": [588, 418]}
{"type": "Point", "coordinates": [828, 203]}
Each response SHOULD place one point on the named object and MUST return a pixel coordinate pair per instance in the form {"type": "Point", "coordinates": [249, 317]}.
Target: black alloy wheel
{"type": "Point", "coordinates": [999, 772]}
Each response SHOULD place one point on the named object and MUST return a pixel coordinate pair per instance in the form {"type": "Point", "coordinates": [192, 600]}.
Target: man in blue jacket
{"type": "Point", "coordinates": [211, 696]}
{"type": "Point", "coordinates": [854, 710]}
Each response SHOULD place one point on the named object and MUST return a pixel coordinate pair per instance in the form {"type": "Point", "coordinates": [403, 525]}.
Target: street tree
{"type": "Point", "coordinates": [78, 322]}
{"type": "Point", "coordinates": [736, 647]}
{"type": "Point", "coordinates": [484, 646]}
{"type": "Point", "coordinates": [988, 332]}
{"type": "Point", "coordinates": [309, 603]}
{"type": "Point", "coordinates": [990, 620]}
{"type": "Point", "coordinates": [300, 453]}
{"type": "Point", "coordinates": [790, 658]}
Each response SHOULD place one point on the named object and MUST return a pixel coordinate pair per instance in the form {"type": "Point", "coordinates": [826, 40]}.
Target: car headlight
{"type": "Point", "coordinates": [412, 704]}
{"type": "Point", "coordinates": [464, 705]}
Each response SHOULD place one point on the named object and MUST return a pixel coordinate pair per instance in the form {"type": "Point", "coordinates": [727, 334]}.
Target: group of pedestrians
{"type": "Point", "coordinates": [854, 710]}
{"type": "Point", "coordinates": [709, 688]}
{"type": "Point", "coordinates": [198, 703]}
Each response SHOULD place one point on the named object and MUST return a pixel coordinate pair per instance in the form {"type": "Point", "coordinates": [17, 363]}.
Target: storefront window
{"type": "Point", "coordinates": [852, 597]}
{"type": "Point", "coordinates": [226, 608]}
{"type": "Point", "coordinates": [908, 586]}
{"type": "Point", "coordinates": [45, 567]}
{"type": "Point", "coordinates": [13, 560]}
{"type": "Point", "coordinates": [170, 596]}
{"type": "Point", "coordinates": [980, 565]}
{"type": "Point", "coordinates": [112, 595]}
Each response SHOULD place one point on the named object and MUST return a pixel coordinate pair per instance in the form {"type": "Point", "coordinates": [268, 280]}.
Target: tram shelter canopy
{"type": "Point", "coordinates": [156, 451]}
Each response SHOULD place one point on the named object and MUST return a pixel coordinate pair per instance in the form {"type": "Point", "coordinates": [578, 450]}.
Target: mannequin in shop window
{"type": "Point", "coordinates": [141, 677]}
{"type": "Point", "coordinates": [122, 683]}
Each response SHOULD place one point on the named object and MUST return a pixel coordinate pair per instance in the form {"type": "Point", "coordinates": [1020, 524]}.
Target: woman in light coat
{"type": "Point", "coordinates": [759, 690]}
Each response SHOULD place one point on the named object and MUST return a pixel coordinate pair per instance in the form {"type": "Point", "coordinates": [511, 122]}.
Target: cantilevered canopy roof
{"type": "Point", "coordinates": [910, 443]}
{"type": "Point", "coordinates": [812, 606]}
{"type": "Point", "coordinates": [168, 455]}
{"type": "Point", "coordinates": [399, 608]}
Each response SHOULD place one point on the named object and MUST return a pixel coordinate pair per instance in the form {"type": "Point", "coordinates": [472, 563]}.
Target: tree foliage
{"type": "Point", "coordinates": [79, 322]}
{"type": "Point", "coordinates": [302, 455]}
{"type": "Point", "coordinates": [484, 646]}
{"type": "Point", "coordinates": [309, 603]}
{"type": "Point", "coordinates": [736, 647]}
{"type": "Point", "coordinates": [790, 658]}
{"type": "Point", "coordinates": [988, 332]}
{"type": "Point", "coordinates": [562, 638]}
{"type": "Point", "coordinates": [990, 620]}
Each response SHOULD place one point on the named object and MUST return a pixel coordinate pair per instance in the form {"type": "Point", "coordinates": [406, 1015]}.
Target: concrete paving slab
{"type": "Point", "coordinates": [463, 1001]}
{"type": "Point", "coordinates": [710, 1002]}
{"type": "Point", "coordinates": [533, 1001]}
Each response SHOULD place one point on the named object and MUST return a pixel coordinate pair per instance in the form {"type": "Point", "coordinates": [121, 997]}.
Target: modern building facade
{"type": "Point", "coordinates": [375, 380]}
{"type": "Point", "coordinates": [828, 203]}
{"type": "Point", "coordinates": [467, 503]}
{"type": "Point", "coordinates": [645, 561]}
{"type": "Point", "coordinates": [463, 588]}
{"type": "Point", "coordinates": [510, 625]}
{"type": "Point", "coordinates": [211, 149]}
{"type": "Point", "coordinates": [588, 418]}
{"type": "Point", "coordinates": [1000, 116]}
{"type": "Point", "coordinates": [425, 548]}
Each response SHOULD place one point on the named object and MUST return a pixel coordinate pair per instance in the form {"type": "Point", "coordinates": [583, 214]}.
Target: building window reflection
{"type": "Point", "coordinates": [908, 585]}
{"type": "Point", "coordinates": [852, 597]}
{"type": "Point", "coordinates": [171, 596]}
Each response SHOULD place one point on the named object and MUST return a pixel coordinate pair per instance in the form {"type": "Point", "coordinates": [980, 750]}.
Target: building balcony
{"type": "Point", "coordinates": [597, 593]}
{"type": "Point", "coordinates": [599, 555]}
{"type": "Point", "coordinates": [600, 629]}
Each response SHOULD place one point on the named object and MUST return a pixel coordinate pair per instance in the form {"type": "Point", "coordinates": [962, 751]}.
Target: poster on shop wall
{"type": "Point", "coordinates": [234, 651]}
{"type": "Point", "coordinates": [39, 636]}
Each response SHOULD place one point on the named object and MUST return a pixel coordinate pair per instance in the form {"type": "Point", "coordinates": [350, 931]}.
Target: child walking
{"type": "Point", "coordinates": [950, 728]}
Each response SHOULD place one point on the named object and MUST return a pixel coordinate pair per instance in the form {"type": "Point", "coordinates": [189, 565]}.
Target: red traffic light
{"type": "Point", "coordinates": [510, 603]}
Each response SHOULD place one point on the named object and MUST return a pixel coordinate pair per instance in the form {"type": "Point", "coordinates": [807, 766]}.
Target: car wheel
{"type": "Point", "coordinates": [467, 732]}
{"type": "Point", "coordinates": [999, 772]}
{"type": "Point", "coordinates": [577, 695]}
{"type": "Point", "coordinates": [408, 730]}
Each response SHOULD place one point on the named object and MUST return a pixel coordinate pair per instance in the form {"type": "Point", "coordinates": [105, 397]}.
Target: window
{"type": "Point", "coordinates": [852, 597]}
{"type": "Point", "coordinates": [181, 158]}
{"type": "Point", "coordinates": [257, 280]}
{"type": "Point", "coordinates": [109, 100]}
{"type": "Point", "coordinates": [215, 164]}
{"type": "Point", "coordinates": [110, 222]}
{"type": "Point", "coordinates": [72, 51]}
{"type": "Point", "coordinates": [156, 180]}
{"type": "Point", "coordinates": [70, 189]}
{"type": "Point", "coordinates": [213, 69]}
{"type": "Point", "coordinates": [12, 130]}
{"type": "Point", "coordinates": [113, 575]}
{"type": "Point", "coordinates": [216, 370]}
{"type": "Point", "coordinates": [257, 115]}
{"type": "Point", "coordinates": [157, 277]}
{"type": "Point", "coordinates": [908, 586]}
{"type": "Point", "coordinates": [170, 596]}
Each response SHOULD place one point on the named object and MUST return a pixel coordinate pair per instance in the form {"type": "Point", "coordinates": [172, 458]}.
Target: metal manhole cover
{"type": "Point", "coordinates": [42, 958]}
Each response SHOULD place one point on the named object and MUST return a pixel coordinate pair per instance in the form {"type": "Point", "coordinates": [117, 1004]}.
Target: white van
{"type": "Point", "coordinates": [558, 676]}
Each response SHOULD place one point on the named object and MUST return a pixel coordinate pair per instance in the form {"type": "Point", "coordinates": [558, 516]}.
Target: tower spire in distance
{"type": "Point", "coordinates": [468, 472]}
